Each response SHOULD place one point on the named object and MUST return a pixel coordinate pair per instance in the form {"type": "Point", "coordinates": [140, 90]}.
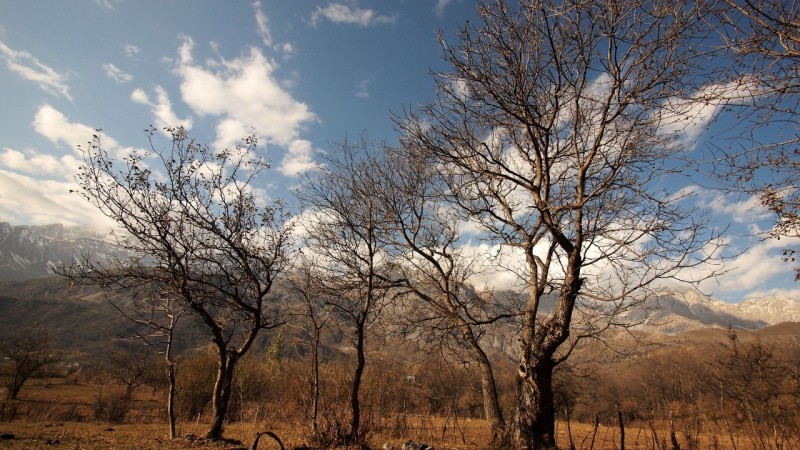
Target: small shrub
{"type": "Point", "coordinates": [112, 406]}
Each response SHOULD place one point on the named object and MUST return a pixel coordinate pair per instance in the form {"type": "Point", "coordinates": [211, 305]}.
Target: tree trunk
{"type": "Point", "coordinates": [15, 386]}
{"type": "Point", "coordinates": [171, 399]}
{"type": "Point", "coordinates": [171, 380]}
{"type": "Point", "coordinates": [491, 404]}
{"type": "Point", "coordinates": [355, 404]}
{"type": "Point", "coordinates": [222, 394]}
{"type": "Point", "coordinates": [534, 424]}
{"type": "Point", "coordinates": [315, 383]}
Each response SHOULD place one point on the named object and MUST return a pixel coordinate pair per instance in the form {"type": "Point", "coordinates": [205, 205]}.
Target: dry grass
{"type": "Point", "coordinates": [93, 435]}
{"type": "Point", "coordinates": [54, 413]}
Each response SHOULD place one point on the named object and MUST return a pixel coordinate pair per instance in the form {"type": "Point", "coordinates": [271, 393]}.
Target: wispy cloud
{"type": "Point", "coordinates": [341, 13]}
{"type": "Point", "coordinates": [30, 68]}
{"type": "Point", "coordinates": [107, 4]}
{"type": "Point", "coordinates": [116, 74]}
{"type": "Point", "coordinates": [161, 107]}
{"type": "Point", "coordinates": [131, 50]}
{"type": "Point", "coordinates": [363, 89]}
{"type": "Point", "coordinates": [757, 269]}
{"type": "Point", "coordinates": [439, 8]}
{"type": "Point", "coordinates": [263, 25]}
{"type": "Point", "coordinates": [265, 31]}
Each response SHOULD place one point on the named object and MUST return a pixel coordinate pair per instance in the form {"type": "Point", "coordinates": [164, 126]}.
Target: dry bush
{"type": "Point", "coordinates": [195, 381]}
{"type": "Point", "coordinates": [759, 390]}
{"type": "Point", "coordinates": [112, 404]}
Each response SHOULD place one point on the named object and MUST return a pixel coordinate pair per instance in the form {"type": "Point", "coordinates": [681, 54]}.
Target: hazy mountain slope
{"type": "Point", "coordinates": [677, 312]}
{"type": "Point", "coordinates": [32, 251]}
{"type": "Point", "coordinates": [76, 317]}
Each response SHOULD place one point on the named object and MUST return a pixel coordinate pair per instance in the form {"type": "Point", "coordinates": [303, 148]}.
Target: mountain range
{"type": "Point", "coordinates": [30, 252]}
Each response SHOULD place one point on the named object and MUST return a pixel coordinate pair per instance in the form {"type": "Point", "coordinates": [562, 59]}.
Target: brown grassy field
{"type": "Point", "coordinates": [95, 435]}
{"type": "Point", "coordinates": [53, 413]}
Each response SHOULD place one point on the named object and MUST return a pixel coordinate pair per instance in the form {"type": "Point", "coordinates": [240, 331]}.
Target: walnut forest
{"type": "Point", "coordinates": [356, 321]}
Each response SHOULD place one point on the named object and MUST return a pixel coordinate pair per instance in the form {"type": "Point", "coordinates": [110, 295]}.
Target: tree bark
{"type": "Point", "coordinates": [222, 394]}
{"type": "Point", "coordinates": [171, 399]}
{"type": "Point", "coordinates": [534, 424]}
{"type": "Point", "coordinates": [315, 383]}
{"type": "Point", "coordinates": [355, 404]}
{"type": "Point", "coordinates": [171, 378]}
{"type": "Point", "coordinates": [491, 403]}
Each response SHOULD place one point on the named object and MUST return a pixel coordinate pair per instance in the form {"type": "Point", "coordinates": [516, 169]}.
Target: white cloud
{"type": "Point", "coordinates": [286, 48]}
{"type": "Point", "coordinates": [30, 200]}
{"type": "Point", "coordinates": [298, 159]}
{"type": "Point", "coordinates": [38, 188]}
{"type": "Point", "coordinates": [53, 125]}
{"type": "Point", "coordinates": [116, 74]}
{"type": "Point", "coordinates": [30, 68]}
{"type": "Point", "coordinates": [264, 30]}
{"type": "Point", "coordinates": [439, 8]}
{"type": "Point", "coordinates": [688, 118]}
{"type": "Point", "coordinates": [758, 269]}
{"type": "Point", "coordinates": [340, 13]}
{"type": "Point", "coordinates": [131, 50]}
{"type": "Point", "coordinates": [34, 163]}
{"type": "Point", "coordinates": [245, 94]}
{"type": "Point", "coordinates": [773, 292]}
{"type": "Point", "coordinates": [739, 208]}
{"type": "Point", "coordinates": [263, 25]}
{"type": "Point", "coordinates": [107, 4]}
{"type": "Point", "coordinates": [230, 132]}
{"type": "Point", "coordinates": [163, 114]}
{"type": "Point", "coordinates": [363, 89]}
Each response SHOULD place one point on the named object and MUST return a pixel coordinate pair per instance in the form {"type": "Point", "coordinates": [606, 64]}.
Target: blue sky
{"type": "Point", "coordinates": [303, 74]}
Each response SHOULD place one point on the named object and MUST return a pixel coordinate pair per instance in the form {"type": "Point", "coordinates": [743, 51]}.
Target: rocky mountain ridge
{"type": "Point", "coordinates": [682, 311]}
{"type": "Point", "coordinates": [28, 252]}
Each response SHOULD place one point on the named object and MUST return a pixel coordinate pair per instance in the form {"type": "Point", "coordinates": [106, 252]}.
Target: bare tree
{"type": "Point", "coordinates": [28, 354]}
{"type": "Point", "coordinates": [131, 367]}
{"type": "Point", "coordinates": [198, 235]}
{"type": "Point", "coordinates": [555, 133]}
{"type": "Point", "coordinates": [425, 245]}
{"type": "Point", "coordinates": [759, 154]}
{"type": "Point", "coordinates": [758, 384]}
{"type": "Point", "coordinates": [155, 314]}
{"type": "Point", "coordinates": [346, 224]}
{"type": "Point", "coordinates": [313, 317]}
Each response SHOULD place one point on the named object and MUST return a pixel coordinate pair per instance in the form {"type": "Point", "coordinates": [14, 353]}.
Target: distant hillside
{"type": "Point", "coordinates": [77, 318]}
{"type": "Point", "coordinates": [33, 251]}
{"type": "Point", "coordinates": [81, 317]}
{"type": "Point", "coordinates": [677, 312]}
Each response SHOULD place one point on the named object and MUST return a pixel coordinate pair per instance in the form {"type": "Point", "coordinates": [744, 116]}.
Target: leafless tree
{"type": "Point", "coordinates": [425, 244]}
{"type": "Point", "coordinates": [759, 153]}
{"type": "Point", "coordinates": [345, 226]}
{"type": "Point", "coordinates": [27, 354]}
{"type": "Point", "coordinates": [199, 237]}
{"type": "Point", "coordinates": [758, 384]}
{"type": "Point", "coordinates": [555, 128]}
{"type": "Point", "coordinates": [312, 316]}
{"type": "Point", "coordinates": [132, 367]}
{"type": "Point", "coordinates": [155, 313]}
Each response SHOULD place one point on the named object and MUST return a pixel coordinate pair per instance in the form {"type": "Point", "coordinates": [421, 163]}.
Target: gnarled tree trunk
{"type": "Point", "coordinates": [220, 399]}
